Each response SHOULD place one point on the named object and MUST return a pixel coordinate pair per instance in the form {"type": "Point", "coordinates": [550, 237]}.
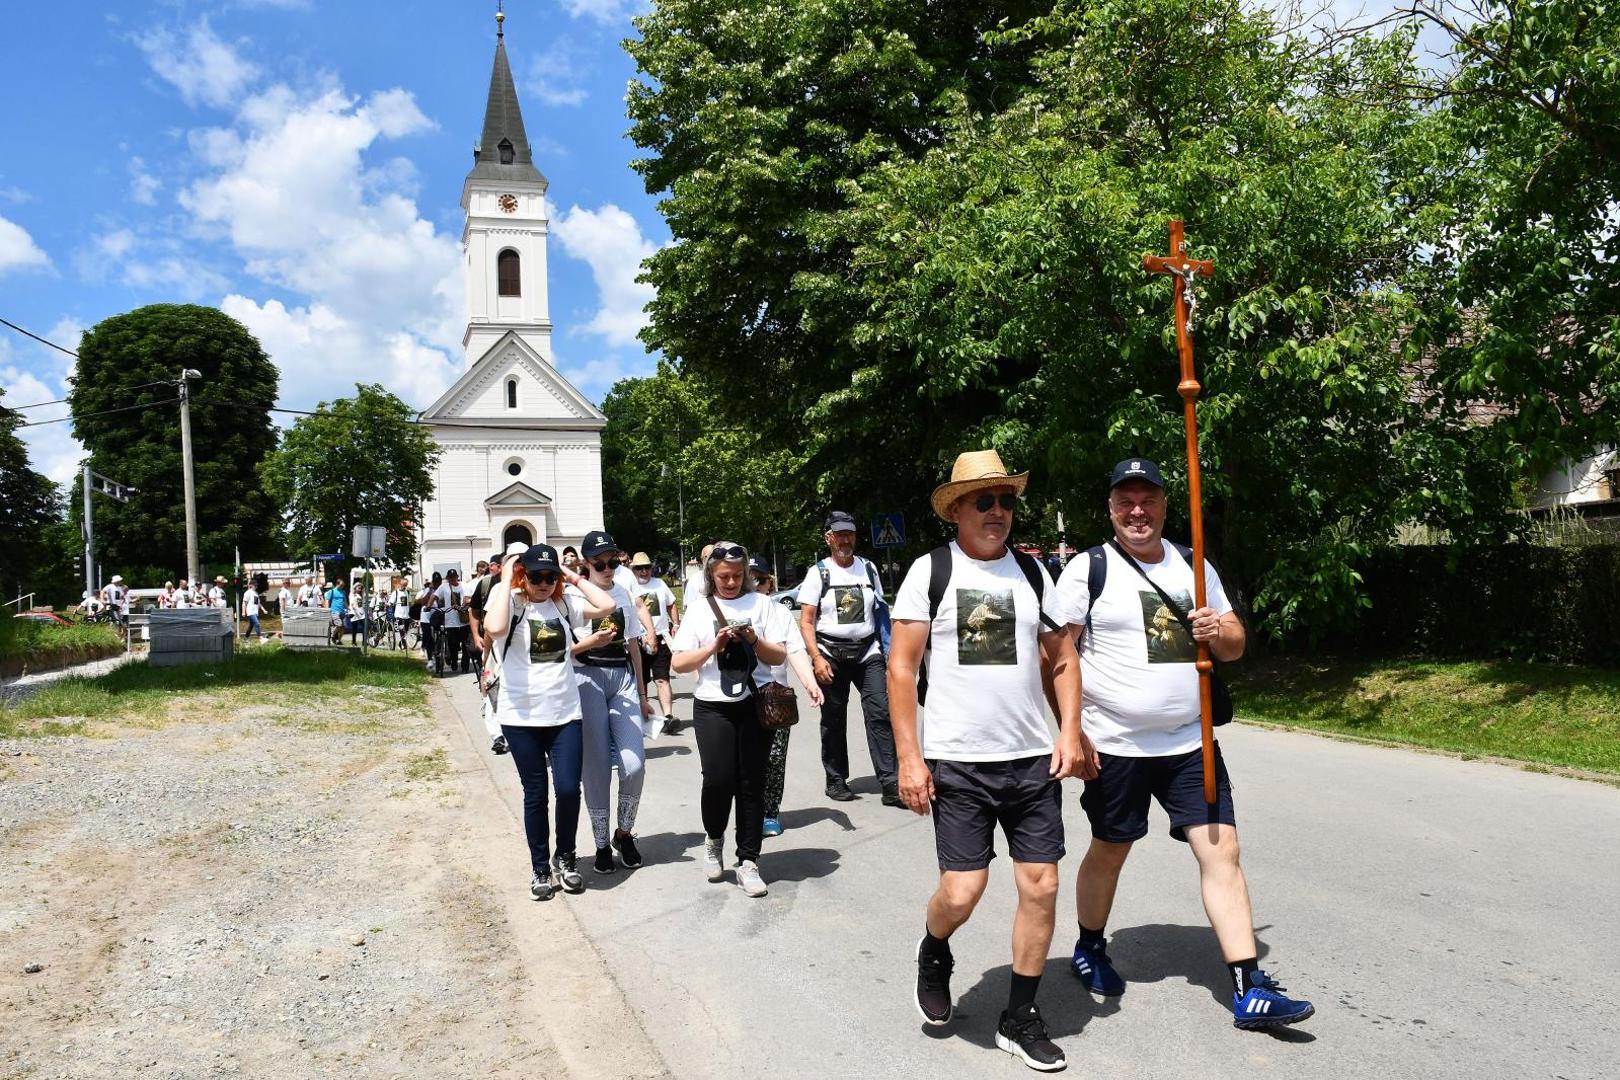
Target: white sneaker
{"type": "Point", "coordinates": [713, 867]}
{"type": "Point", "coordinates": [748, 879]}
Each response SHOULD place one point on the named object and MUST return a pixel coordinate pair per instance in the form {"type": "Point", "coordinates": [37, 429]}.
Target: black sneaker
{"type": "Point", "coordinates": [540, 886]}
{"type": "Point", "coordinates": [604, 861]}
{"type": "Point", "coordinates": [565, 871]}
{"type": "Point", "coordinates": [627, 850]}
{"type": "Point", "coordinates": [499, 746]}
{"type": "Point", "coordinates": [1023, 1035]}
{"type": "Point", "coordinates": [934, 986]}
{"type": "Point", "coordinates": [838, 791]}
{"type": "Point", "coordinates": [891, 796]}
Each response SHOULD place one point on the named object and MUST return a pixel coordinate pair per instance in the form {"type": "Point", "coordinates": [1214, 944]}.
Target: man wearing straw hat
{"type": "Point", "coordinates": [988, 617]}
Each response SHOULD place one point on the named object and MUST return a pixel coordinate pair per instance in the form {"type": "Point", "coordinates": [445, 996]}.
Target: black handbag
{"type": "Point", "coordinates": [1220, 699]}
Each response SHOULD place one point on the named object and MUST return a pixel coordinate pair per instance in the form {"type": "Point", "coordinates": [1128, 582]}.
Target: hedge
{"type": "Point", "coordinates": [1515, 602]}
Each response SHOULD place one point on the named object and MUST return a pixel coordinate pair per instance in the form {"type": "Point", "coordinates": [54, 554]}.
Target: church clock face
{"type": "Point", "coordinates": [507, 203]}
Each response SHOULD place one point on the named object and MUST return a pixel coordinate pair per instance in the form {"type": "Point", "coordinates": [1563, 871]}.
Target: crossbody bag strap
{"type": "Point", "coordinates": [1175, 609]}
{"type": "Point", "coordinates": [753, 661]}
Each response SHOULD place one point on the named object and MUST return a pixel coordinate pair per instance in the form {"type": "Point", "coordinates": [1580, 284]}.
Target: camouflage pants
{"type": "Point", "coordinates": [776, 772]}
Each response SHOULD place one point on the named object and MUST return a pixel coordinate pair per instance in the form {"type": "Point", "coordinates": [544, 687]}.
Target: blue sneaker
{"type": "Point", "coordinates": [1092, 967]}
{"type": "Point", "coordinates": [1263, 1005]}
{"type": "Point", "coordinates": [773, 827]}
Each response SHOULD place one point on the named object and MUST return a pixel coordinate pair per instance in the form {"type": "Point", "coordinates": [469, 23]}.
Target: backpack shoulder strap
{"type": "Point", "coordinates": [511, 632]}
{"type": "Point", "coordinates": [1032, 573]}
{"type": "Point", "coordinates": [1096, 578]}
{"type": "Point", "coordinates": [939, 578]}
{"type": "Point", "coordinates": [871, 575]}
{"type": "Point", "coordinates": [826, 583]}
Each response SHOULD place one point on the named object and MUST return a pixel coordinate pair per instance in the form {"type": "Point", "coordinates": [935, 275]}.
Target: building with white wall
{"type": "Point", "coordinates": [521, 448]}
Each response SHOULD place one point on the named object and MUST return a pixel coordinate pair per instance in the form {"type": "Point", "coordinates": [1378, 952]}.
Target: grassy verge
{"type": "Point", "coordinates": [369, 688]}
{"type": "Point", "coordinates": [1542, 713]}
{"type": "Point", "coordinates": [36, 645]}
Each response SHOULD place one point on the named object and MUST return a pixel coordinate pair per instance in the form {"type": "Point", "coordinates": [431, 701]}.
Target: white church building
{"type": "Point", "coordinates": [521, 448]}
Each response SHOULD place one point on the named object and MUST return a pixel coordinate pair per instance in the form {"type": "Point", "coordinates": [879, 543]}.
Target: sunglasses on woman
{"type": "Point", "coordinates": [604, 567]}
{"type": "Point", "coordinates": [544, 580]}
{"type": "Point", "coordinates": [729, 553]}
{"type": "Point", "coordinates": [984, 502]}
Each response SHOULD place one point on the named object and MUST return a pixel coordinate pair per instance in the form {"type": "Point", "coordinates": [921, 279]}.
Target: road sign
{"type": "Point", "coordinates": [889, 530]}
{"type": "Point", "coordinates": [327, 558]}
{"type": "Point", "coordinates": [369, 541]}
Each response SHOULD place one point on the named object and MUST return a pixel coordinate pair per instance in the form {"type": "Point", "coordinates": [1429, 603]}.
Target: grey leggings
{"type": "Point", "coordinates": [611, 702]}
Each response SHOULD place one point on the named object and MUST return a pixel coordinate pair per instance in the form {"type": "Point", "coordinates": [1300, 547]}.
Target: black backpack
{"type": "Point", "coordinates": [939, 579]}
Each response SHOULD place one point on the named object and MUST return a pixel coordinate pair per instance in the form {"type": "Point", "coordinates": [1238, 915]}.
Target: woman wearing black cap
{"type": "Point", "coordinates": [614, 699]}
{"type": "Point", "coordinates": [535, 696]}
{"type": "Point", "coordinates": [722, 638]}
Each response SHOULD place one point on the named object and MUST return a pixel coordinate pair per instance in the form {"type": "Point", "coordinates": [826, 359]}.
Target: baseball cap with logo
{"type": "Point", "coordinates": [839, 521]}
{"type": "Point", "coordinates": [597, 543]}
{"type": "Point", "coordinates": [538, 558]}
{"type": "Point", "coordinates": [1136, 469]}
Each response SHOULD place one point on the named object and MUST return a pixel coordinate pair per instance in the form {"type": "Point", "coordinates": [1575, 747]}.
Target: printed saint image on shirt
{"type": "Point", "coordinates": [986, 627]}
{"type": "Point", "coordinates": [850, 604]}
{"type": "Point", "coordinates": [1167, 640]}
{"type": "Point", "coordinates": [654, 604]}
{"type": "Point", "coordinates": [547, 643]}
{"type": "Point", "coordinates": [613, 621]}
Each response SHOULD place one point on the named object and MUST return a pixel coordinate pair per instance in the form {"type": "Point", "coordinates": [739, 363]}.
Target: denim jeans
{"type": "Point", "coordinates": [532, 749]}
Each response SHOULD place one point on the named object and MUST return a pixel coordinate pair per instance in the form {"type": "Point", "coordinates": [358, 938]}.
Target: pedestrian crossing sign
{"type": "Point", "coordinates": [889, 530]}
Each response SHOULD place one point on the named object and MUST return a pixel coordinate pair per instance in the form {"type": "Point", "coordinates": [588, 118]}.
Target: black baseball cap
{"type": "Point", "coordinates": [539, 558]}
{"type": "Point", "coordinates": [1136, 469]}
{"type": "Point", "coordinates": [758, 564]}
{"type": "Point", "coordinates": [839, 521]}
{"type": "Point", "coordinates": [597, 543]}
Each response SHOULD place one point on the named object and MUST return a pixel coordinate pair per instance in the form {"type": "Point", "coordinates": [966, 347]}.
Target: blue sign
{"type": "Point", "coordinates": [328, 558]}
{"type": "Point", "coordinates": [889, 530]}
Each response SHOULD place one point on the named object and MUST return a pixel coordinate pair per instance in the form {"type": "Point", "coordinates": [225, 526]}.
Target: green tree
{"type": "Point", "coordinates": [123, 411]}
{"type": "Point", "coordinates": [356, 461]}
{"type": "Point", "coordinates": [30, 504]}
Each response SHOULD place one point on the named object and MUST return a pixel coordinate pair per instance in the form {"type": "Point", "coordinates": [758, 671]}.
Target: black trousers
{"type": "Point", "coordinates": [732, 749]}
{"type": "Point", "coordinates": [871, 678]}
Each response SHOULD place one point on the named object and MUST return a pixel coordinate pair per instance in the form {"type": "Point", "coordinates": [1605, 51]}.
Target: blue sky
{"type": "Point", "coordinates": [298, 163]}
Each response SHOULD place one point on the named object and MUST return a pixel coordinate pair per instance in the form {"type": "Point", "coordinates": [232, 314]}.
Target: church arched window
{"type": "Point", "coordinates": [511, 393]}
{"type": "Point", "coordinates": [505, 148]}
{"type": "Point", "coordinates": [509, 280]}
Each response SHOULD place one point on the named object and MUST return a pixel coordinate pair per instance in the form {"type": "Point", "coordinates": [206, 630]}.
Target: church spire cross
{"type": "Point", "coordinates": [503, 151]}
{"type": "Point", "coordinates": [500, 18]}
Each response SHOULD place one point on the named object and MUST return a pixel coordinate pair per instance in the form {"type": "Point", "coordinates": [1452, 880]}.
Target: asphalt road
{"type": "Point", "coordinates": [1448, 918]}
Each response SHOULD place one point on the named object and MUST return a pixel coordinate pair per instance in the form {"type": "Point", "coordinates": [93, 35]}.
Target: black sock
{"type": "Point", "coordinates": [1022, 991]}
{"type": "Point", "coordinates": [937, 947]}
{"type": "Point", "coordinates": [1092, 939]}
{"type": "Point", "coordinates": [1240, 970]}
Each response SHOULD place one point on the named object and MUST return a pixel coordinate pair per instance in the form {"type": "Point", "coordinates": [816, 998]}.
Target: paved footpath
{"type": "Point", "coordinates": [1449, 919]}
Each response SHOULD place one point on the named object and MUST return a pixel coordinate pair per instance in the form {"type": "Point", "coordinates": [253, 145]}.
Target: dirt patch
{"type": "Point", "coordinates": [231, 894]}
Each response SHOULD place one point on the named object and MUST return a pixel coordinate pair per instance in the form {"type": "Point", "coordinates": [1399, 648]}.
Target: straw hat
{"type": "Point", "coordinates": [973, 471]}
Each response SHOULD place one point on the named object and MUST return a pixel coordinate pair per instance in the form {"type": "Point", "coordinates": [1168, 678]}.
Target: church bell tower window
{"type": "Point", "coordinates": [505, 148]}
{"type": "Point", "coordinates": [510, 280]}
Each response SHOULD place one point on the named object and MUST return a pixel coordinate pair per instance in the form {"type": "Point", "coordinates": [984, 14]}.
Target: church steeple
{"type": "Point", "coordinates": [503, 152]}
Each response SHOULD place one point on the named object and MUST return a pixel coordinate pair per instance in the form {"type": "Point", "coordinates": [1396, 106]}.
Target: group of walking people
{"type": "Point", "coordinates": [954, 682]}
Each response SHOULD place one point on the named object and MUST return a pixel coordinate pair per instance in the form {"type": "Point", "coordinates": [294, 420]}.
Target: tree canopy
{"type": "Point", "coordinates": [30, 504]}
{"type": "Point", "coordinates": [123, 408]}
{"type": "Point", "coordinates": [356, 461]}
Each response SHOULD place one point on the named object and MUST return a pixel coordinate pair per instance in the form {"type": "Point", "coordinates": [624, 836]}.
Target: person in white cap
{"type": "Point", "coordinates": [117, 598]}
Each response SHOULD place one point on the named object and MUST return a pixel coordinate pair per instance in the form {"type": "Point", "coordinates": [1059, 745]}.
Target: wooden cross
{"type": "Point", "coordinates": [1184, 270]}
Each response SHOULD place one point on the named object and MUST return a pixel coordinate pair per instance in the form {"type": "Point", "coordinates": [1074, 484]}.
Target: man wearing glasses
{"type": "Point", "coordinates": [984, 755]}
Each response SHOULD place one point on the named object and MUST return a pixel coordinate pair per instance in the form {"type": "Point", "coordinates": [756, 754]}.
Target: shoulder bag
{"type": "Point", "coordinates": [775, 705]}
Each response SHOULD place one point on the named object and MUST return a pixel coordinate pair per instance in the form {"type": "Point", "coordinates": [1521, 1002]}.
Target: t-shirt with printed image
{"type": "Point", "coordinates": [658, 598]}
{"type": "Point", "coordinates": [622, 620]}
{"type": "Point", "coordinates": [846, 611]}
{"type": "Point", "coordinates": [985, 701]}
{"type": "Point", "coordinates": [538, 687]}
{"type": "Point", "coordinates": [1138, 676]}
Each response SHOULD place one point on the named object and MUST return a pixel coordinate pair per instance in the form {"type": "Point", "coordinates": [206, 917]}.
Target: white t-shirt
{"type": "Point", "coordinates": [764, 672]}
{"type": "Point", "coordinates": [308, 596]}
{"type": "Point", "coordinates": [538, 687]}
{"type": "Point", "coordinates": [623, 619]}
{"type": "Point", "coordinates": [250, 602]}
{"type": "Point", "coordinates": [658, 598]}
{"type": "Point", "coordinates": [625, 578]}
{"type": "Point", "coordinates": [692, 595]}
{"type": "Point", "coordinates": [450, 598]}
{"type": "Point", "coordinates": [770, 621]}
{"type": "Point", "coordinates": [847, 613]}
{"type": "Point", "coordinates": [984, 675]}
{"type": "Point", "coordinates": [1138, 680]}
{"type": "Point", "coordinates": [283, 597]}
{"type": "Point", "coordinates": [216, 596]}
{"type": "Point", "coordinates": [402, 603]}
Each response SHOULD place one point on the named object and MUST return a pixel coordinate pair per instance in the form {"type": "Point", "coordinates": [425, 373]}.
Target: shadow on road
{"type": "Point", "coordinates": [1157, 951]}
{"type": "Point", "coordinates": [798, 864]}
{"type": "Point", "coordinates": [668, 750]}
{"type": "Point", "coordinates": [1065, 1005]}
{"type": "Point", "coordinates": [799, 819]}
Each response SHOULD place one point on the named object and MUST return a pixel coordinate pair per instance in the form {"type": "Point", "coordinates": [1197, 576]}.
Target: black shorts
{"type": "Point", "coordinates": [1116, 802]}
{"type": "Point", "coordinates": [655, 665]}
{"type": "Point", "coordinates": [972, 797]}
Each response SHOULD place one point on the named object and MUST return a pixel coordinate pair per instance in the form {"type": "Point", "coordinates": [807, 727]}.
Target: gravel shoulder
{"type": "Point", "coordinates": [294, 890]}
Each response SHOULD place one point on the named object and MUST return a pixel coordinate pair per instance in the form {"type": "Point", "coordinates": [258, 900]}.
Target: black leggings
{"type": "Point", "coordinates": [732, 748]}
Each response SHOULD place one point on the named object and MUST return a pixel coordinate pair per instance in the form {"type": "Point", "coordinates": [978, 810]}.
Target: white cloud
{"type": "Point", "coordinates": [557, 76]}
{"type": "Point", "coordinates": [205, 69]}
{"type": "Point", "coordinates": [32, 374]}
{"type": "Point", "coordinates": [378, 290]}
{"type": "Point", "coordinates": [143, 186]}
{"type": "Point", "coordinates": [17, 249]}
{"type": "Point", "coordinates": [610, 241]}
{"type": "Point", "coordinates": [605, 11]}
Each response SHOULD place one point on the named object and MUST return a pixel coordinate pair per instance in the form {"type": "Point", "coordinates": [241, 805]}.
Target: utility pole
{"type": "Point", "coordinates": [193, 566]}
{"type": "Point", "coordinates": [94, 481]}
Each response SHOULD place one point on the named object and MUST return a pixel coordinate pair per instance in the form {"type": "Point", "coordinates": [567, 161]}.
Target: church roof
{"type": "Point", "coordinates": [503, 122]}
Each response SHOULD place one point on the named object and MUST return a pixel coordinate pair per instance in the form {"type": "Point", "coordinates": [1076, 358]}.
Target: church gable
{"type": "Point", "coordinates": [515, 496]}
{"type": "Point", "coordinates": [512, 382]}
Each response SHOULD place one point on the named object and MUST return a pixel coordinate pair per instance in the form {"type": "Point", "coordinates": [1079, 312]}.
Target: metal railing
{"type": "Point", "coordinates": [17, 603]}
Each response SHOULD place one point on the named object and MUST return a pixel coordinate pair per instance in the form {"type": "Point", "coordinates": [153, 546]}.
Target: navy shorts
{"type": "Point", "coordinates": [972, 797]}
{"type": "Point", "coordinates": [1116, 802]}
{"type": "Point", "coordinates": [655, 665]}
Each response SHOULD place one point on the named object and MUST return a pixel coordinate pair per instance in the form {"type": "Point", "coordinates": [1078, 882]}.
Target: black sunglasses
{"type": "Point", "coordinates": [544, 578]}
{"type": "Point", "coordinates": [984, 502]}
{"type": "Point", "coordinates": [729, 553]}
{"type": "Point", "coordinates": [603, 567]}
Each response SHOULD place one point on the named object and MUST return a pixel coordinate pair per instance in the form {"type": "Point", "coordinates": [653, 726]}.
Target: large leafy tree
{"type": "Point", "coordinates": [356, 461]}
{"type": "Point", "coordinates": [30, 505]}
{"type": "Point", "coordinates": [124, 412]}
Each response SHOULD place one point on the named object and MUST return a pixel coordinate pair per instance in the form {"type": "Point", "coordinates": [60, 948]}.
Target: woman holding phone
{"type": "Point", "coordinates": [726, 633]}
{"type": "Point", "coordinates": [535, 696]}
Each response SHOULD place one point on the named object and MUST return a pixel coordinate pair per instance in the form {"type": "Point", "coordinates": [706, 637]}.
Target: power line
{"type": "Point", "coordinates": [42, 341]}
{"type": "Point", "coordinates": [63, 401]}
{"type": "Point", "coordinates": [103, 412]}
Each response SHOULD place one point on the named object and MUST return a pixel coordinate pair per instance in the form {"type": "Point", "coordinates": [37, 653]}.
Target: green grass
{"type": "Point", "coordinates": [1541, 713]}
{"type": "Point", "coordinates": [369, 688]}
{"type": "Point", "coordinates": [39, 643]}
{"type": "Point", "coordinates": [434, 765]}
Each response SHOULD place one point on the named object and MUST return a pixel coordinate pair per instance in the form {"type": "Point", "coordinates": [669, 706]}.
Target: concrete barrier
{"type": "Point", "coordinates": [190, 636]}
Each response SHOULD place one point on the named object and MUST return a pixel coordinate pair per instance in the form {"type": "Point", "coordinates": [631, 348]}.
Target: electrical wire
{"type": "Point", "coordinates": [103, 412]}
{"type": "Point", "coordinates": [63, 401]}
{"type": "Point", "coordinates": [42, 341]}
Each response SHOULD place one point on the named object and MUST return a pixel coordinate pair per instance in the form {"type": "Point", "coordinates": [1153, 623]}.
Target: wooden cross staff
{"type": "Point", "coordinates": [1184, 270]}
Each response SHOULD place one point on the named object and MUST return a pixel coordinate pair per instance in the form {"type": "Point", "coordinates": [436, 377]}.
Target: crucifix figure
{"type": "Point", "coordinates": [1184, 270]}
